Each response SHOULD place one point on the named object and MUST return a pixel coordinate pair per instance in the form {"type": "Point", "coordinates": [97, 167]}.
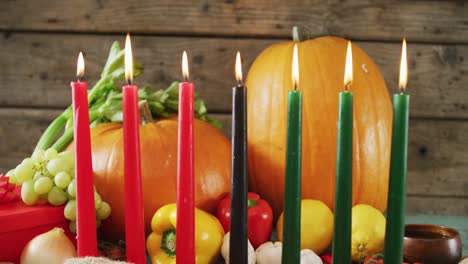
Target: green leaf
{"type": "Point", "coordinates": [200, 107]}
{"type": "Point", "coordinates": [173, 90]}
{"type": "Point", "coordinates": [144, 93]}
{"type": "Point", "coordinates": [115, 60]}
{"type": "Point", "coordinates": [156, 108]}
{"type": "Point", "coordinates": [159, 96]}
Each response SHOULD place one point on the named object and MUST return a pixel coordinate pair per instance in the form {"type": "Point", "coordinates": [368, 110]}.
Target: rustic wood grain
{"type": "Point", "coordinates": [423, 20]}
{"type": "Point", "coordinates": [20, 130]}
{"type": "Point", "coordinates": [438, 160]}
{"type": "Point", "coordinates": [37, 68]}
{"type": "Point", "coordinates": [433, 205]}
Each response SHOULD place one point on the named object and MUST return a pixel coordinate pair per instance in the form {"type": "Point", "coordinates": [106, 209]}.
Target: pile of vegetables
{"type": "Point", "coordinates": [158, 154]}
{"type": "Point", "coordinates": [48, 176]}
{"type": "Point", "coordinates": [158, 147]}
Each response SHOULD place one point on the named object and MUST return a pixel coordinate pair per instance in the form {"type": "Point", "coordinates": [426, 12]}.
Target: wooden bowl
{"type": "Point", "coordinates": [431, 244]}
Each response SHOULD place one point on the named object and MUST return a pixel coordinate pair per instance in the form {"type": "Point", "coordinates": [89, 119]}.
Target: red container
{"type": "Point", "coordinates": [20, 223]}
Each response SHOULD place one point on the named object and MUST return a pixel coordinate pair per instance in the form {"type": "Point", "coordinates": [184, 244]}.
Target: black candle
{"type": "Point", "coordinates": [238, 226]}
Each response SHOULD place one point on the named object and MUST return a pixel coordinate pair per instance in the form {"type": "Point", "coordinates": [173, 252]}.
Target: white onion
{"type": "Point", "coordinates": [52, 247]}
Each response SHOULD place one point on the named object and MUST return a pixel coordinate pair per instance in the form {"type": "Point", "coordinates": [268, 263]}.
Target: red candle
{"type": "Point", "coordinates": [134, 216]}
{"type": "Point", "coordinates": [86, 213]}
{"type": "Point", "coordinates": [185, 235]}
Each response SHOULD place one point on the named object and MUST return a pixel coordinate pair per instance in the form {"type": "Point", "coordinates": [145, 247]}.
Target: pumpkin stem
{"type": "Point", "coordinates": [295, 34]}
{"type": "Point", "coordinates": [145, 113]}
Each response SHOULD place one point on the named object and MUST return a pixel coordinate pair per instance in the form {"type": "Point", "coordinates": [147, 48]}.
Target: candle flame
{"type": "Point", "coordinates": [185, 70]}
{"type": "Point", "coordinates": [80, 66]}
{"type": "Point", "coordinates": [403, 67]}
{"type": "Point", "coordinates": [238, 68]}
{"type": "Point", "coordinates": [295, 68]}
{"type": "Point", "coordinates": [128, 59]}
{"type": "Point", "coordinates": [348, 76]}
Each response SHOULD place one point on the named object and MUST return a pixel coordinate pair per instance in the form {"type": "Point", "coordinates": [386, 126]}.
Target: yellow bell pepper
{"type": "Point", "coordinates": [161, 243]}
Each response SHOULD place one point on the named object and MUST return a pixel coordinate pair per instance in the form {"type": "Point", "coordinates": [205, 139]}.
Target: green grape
{"type": "Point", "coordinates": [57, 196]}
{"type": "Point", "coordinates": [12, 179]}
{"type": "Point", "coordinates": [56, 165]}
{"type": "Point", "coordinates": [38, 175]}
{"type": "Point", "coordinates": [72, 188]}
{"type": "Point", "coordinates": [10, 173]}
{"type": "Point", "coordinates": [28, 195]}
{"type": "Point", "coordinates": [50, 154]}
{"type": "Point", "coordinates": [104, 211]}
{"type": "Point", "coordinates": [29, 163]}
{"type": "Point", "coordinates": [68, 157]}
{"type": "Point", "coordinates": [72, 227]}
{"type": "Point", "coordinates": [43, 185]}
{"type": "Point", "coordinates": [24, 172]}
{"type": "Point", "coordinates": [62, 179]}
{"type": "Point", "coordinates": [38, 155]}
{"type": "Point", "coordinates": [70, 210]}
{"type": "Point", "coordinates": [97, 200]}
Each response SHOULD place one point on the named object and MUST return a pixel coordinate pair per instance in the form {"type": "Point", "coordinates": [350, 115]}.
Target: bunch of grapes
{"type": "Point", "coordinates": [48, 176]}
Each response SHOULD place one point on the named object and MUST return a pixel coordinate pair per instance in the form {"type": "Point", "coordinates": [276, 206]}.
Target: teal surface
{"type": "Point", "coordinates": [459, 223]}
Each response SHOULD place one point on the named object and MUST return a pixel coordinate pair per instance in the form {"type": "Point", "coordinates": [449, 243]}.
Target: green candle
{"type": "Point", "coordinates": [292, 193]}
{"type": "Point", "coordinates": [344, 170]}
{"type": "Point", "coordinates": [395, 227]}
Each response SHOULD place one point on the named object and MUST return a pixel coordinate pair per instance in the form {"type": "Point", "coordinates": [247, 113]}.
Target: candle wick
{"type": "Point", "coordinates": [129, 81]}
{"type": "Point", "coordinates": [186, 79]}
{"type": "Point", "coordinates": [239, 83]}
{"type": "Point", "coordinates": [402, 90]}
{"type": "Point", "coordinates": [295, 87]}
{"type": "Point", "coordinates": [347, 85]}
{"type": "Point", "coordinates": [79, 77]}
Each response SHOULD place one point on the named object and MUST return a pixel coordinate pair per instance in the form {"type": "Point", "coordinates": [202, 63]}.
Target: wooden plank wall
{"type": "Point", "coordinates": [40, 40]}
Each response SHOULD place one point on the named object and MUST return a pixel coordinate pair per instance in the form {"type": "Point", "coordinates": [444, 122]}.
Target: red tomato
{"type": "Point", "coordinates": [373, 259]}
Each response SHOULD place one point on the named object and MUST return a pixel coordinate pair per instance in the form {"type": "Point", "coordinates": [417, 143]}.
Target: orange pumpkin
{"type": "Point", "coordinates": [158, 142]}
{"type": "Point", "coordinates": [321, 65]}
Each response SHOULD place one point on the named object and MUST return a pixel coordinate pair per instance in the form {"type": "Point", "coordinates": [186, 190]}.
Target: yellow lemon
{"type": "Point", "coordinates": [316, 226]}
{"type": "Point", "coordinates": [368, 231]}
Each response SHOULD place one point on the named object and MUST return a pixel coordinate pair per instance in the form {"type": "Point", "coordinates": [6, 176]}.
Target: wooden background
{"type": "Point", "coordinates": [40, 39]}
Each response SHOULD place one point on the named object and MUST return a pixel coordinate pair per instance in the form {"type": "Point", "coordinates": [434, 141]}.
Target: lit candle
{"type": "Point", "coordinates": [86, 213]}
{"type": "Point", "coordinates": [344, 167]}
{"type": "Point", "coordinates": [292, 192]}
{"type": "Point", "coordinates": [185, 235]}
{"type": "Point", "coordinates": [395, 227]}
{"type": "Point", "coordinates": [238, 225]}
{"type": "Point", "coordinates": [134, 216]}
